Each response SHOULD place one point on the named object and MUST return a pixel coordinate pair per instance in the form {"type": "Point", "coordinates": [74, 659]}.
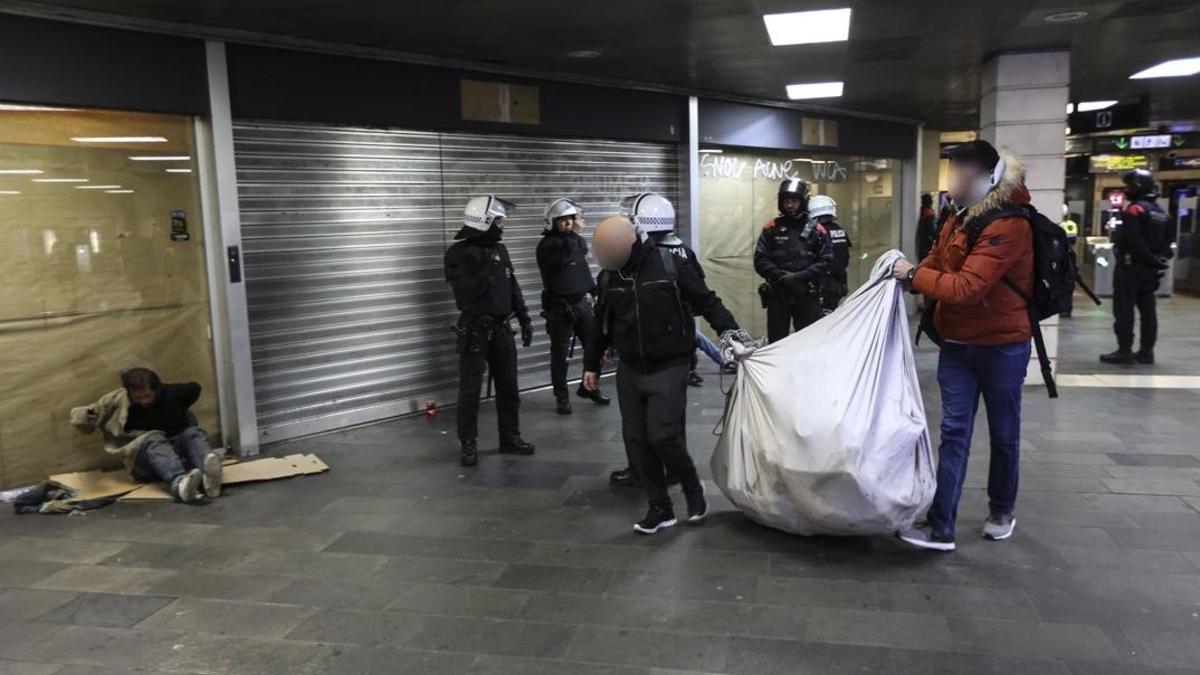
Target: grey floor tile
{"type": "Point", "coordinates": [491, 636]}
{"type": "Point", "coordinates": [1165, 649]}
{"type": "Point", "coordinates": [401, 570]}
{"type": "Point", "coordinates": [194, 652]}
{"type": "Point", "coordinates": [657, 584]}
{"type": "Point", "coordinates": [755, 656]}
{"type": "Point", "coordinates": [551, 578]}
{"type": "Point", "coordinates": [878, 629]}
{"type": "Point", "coordinates": [496, 603]}
{"type": "Point", "coordinates": [20, 638]}
{"type": "Point", "coordinates": [913, 662]}
{"type": "Point", "coordinates": [512, 665]}
{"type": "Point", "coordinates": [336, 593]}
{"type": "Point", "coordinates": [361, 627]}
{"type": "Point", "coordinates": [593, 609]}
{"type": "Point", "coordinates": [108, 647]}
{"type": "Point", "coordinates": [310, 564]}
{"type": "Point", "coordinates": [206, 557]}
{"type": "Point", "coordinates": [1032, 638]}
{"type": "Point", "coordinates": [23, 603]}
{"type": "Point", "coordinates": [392, 661]}
{"type": "Point", "coordinates": [429, 547]}
{"type": "Point", "coordinates": [228, 617]}
{"type": "Point", "coordinates": [952, 601]}
{"type": "Point", "coordinates": [817, 593]}
{"type": "Point", "coordinates": [628, 646]}
{"type": "Point", "coordinates": [735, 618]}
{"type": "Point", "coordinates": [219, 585]}
{"type": "Point", "coordinates": [8, 667]}
{"type": "Point", "coordinates": [1124, 559]}
{"type": "Point", "coordinates": [21, 573]}
{"type": "Point", "coordinates": [105, 579]}
{"type": "Point", "coordinates": [59, 550]}
{"type": "Point", "coordinates": [104, 609]}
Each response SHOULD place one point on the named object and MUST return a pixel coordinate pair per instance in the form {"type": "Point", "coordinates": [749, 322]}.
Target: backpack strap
{"type": "Point", "coordinates": [670, 264]}
{"type": "Point", "coordinates": [980, 222]}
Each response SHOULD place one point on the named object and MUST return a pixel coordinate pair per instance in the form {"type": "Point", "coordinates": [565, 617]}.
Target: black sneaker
{"type": "Point", "coordinates": [595, 396]}
{"type": "Point", "coordinates": [1146, 357]}
{"type": "Point", "coordinates": [694, 379]}
{"type": "Point", "coordinates": [657, 518]}
{"type": "Point", "coordinates": [926, 538]}
{"type": "Point", "coordinates": [516, 446]}
{"type": "Point", "coordinates": [470, 453]}
{"type": "Point", "coordinates": [1120, 356]}
{"type": "Point", "coordinates": [697, 506]}
{"type": "Point", "coordinates": [562, 405]}
{"type": "Point", "coordinates": [625, 478]}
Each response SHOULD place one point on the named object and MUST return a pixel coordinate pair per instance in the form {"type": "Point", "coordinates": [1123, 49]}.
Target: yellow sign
{"type": "Point", "coordinates": [1117, 163]}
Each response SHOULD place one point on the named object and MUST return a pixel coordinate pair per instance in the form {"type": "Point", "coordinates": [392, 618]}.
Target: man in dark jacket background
{"type": "Point", "coordinates": [792, 257]}
{"type": "Point", "coordinates": [647, 301]}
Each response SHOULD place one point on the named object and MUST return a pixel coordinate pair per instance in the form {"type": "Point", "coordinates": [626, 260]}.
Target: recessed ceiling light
{"type": "Point", "coordinates": [119, 192]}
{"type": "Point", "coordinates": [178, 170]}
{"type": "Point", "coordinates": [814, 90]}
{"type": "Point", "coordinates": [21, 172]}
{"type": "Point", "coordinates": [585, 53]}
{"type": "Point", "coordinates": [59, 180]}
{"type": "Point", "coordinates": [1064, 17]}
{"type": "Point", "coordinates": [160, 158]}
{"type": "Point", "coordinates": [1089, 106]}
{"type": "Point", "coordinates": [798, 28]}
{"type": "Point", "coordinates": [96, 187]}
{"type": "Point", "coordinates": [1172, 68]}
{"type": "Point", "coordinates": [118, 139]}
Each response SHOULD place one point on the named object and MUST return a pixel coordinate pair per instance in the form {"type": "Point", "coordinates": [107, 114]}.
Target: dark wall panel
{"type": "Point", "coordinates": [753, 126]}
{"type": "Point", "coordinates": [54, 63]}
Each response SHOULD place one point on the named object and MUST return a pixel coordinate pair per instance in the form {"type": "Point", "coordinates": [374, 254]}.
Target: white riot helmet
{"type": "Point", "coordinates": [821, 205]}
{"type": "Point", "coordinates": [649, 212]}
{"type": "Point", "coordinates": [560, 208]}
{"type": "Point", "coordinates": [483, 210]}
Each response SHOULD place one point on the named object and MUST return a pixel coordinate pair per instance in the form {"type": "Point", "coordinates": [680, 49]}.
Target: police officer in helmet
{"type": "Point", "coordinates": [1141, 244]}
{"type": "Point", "coordinates": [792, 256]}
{"type": "Point", "coordinates": [822, 212]}
{"type": "Point", "coordinates": [566, 284]}
{"type": "Point", "coordinates": [487, 294]}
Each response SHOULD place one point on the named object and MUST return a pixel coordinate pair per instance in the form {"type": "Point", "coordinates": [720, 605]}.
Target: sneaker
{"type": "Point", "coordinates": [694, 379]}
{"type": "Point", "coordinates": [562, 405]}
{"type": "Point", "coordinates": [1119, 357]}
{"type": "Point", "coordinates": [186, 488]}
{"type": "Point", "coordinates": [697, 506]}
{"type": "Point", "coordinates": [923, 537]}
{"type": "Point", "coordinates": [595, 396]}
{"type": "Point", "coordinates": [624, 477]}
{"type": "Point", "coordinates": [999, 526]}
{"type": "Point", "coordinates": [212, 475]}
{"type": "Point", "coordinates": [657, 518]}
{"type": "Point", "coordinates": [1146, 357]}
{"type": "Point", "coordinates": [516, 446]}
{"type": "Point", "coordinates": [470, 453]}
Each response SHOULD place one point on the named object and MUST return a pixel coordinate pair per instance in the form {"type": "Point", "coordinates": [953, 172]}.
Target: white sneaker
{"type": "Point", "coordinates": [213, 472]}
{"type": "Point", "coordinates": [187, 486]}
{"type": "Point", "coordinates": [999, 526]}
{"type": "Point", "coordinates": [923, 537]}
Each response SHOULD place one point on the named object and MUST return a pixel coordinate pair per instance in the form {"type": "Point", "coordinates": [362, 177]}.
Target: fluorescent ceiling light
{"type": "Point", "coordinates": [41, 108]}
{"type": "Point", "coordinates": [118, 139]}
{"type": "Point", "coordinates": [96, 187]}
{"type": "Point", "coordinates": [798, 28]}
{"type": "Point", "coordinates": [1172, 68]}
{"type": "Point", "coordinates": [10, 192]}
{"type": "Point", "coordinates": [160, 158]}
{"type": "Point", "coordinates": [189, 170]}
{"type": "Point", "coordinates": [814, 90]}
{"type": "Point", "coordinates": [1070, 108]}
{"type": "Point", "coordinates": [59, 180]}
{"type": "Point", "coordinates": [21, 172]}
{"type": "Point", "coordinates": [713, 151]}
{"type": "Point", "coordinates": [1089, 106]}
{"type": "Point", "coordinates": [119, 192]}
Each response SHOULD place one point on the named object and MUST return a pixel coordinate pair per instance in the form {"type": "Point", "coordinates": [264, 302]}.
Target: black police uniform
{"type": "Point", "coordinates": [646, 311]}
{"type": "Point", "coordinates": [836, 284]}
{"type": "Point", "coordinates": [1141, 245]}
{"type": "Point", "coordinates": [793, 257]}
{"type": "Point", "coordinates": [671, 242]}
{"type": "Point", "coordinates": [566, 284]}
{"type": "Point", "coordinates": [487, 294]}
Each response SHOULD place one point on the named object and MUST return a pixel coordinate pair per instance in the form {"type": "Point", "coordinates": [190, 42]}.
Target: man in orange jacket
{"type": "Point", "coordinates": [985, 331]}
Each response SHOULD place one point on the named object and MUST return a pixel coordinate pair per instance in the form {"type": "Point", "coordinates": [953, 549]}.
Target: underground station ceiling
{"type": "Point", "coordinates": [916, 59]}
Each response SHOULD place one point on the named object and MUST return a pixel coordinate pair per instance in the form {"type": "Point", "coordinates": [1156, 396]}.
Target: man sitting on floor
{"type": "Point", "coordinates": [149, 425]}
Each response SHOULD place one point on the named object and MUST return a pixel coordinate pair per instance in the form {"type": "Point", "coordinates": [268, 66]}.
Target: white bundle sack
{"type": "Point", "coordinates": [824, 431]}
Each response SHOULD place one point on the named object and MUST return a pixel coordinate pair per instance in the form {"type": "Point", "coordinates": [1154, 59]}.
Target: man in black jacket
{"type": "Point", "coordinates": [566, 284]}
{"type": "Point", "coordinates": [792, 256]}
{"type": "Point", "coordinates": [647, 300]}
{"type": "Point", "coordinates": [486, 291]}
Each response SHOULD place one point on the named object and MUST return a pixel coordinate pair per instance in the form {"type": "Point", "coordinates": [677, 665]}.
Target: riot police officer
{"type": "Point", "coordinates": [488, 296]}
{"type": "Point", "coordinates": [822, 210]}
{"type": "Point", "coordinates": [1141, 244]}
{"type": "Point", "coordinates": [566, 284]}
{"type": "Point", "coordinates": [792, 256]}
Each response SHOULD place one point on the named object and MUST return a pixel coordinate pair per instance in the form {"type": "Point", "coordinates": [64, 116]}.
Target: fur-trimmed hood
{"type": "Point", "coordinates": [1011, 189]}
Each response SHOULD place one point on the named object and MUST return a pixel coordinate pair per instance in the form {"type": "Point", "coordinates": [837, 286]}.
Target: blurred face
{"type": "Point", "coordinates": [142, 396]}
{"type": "Point", "coordinates": [613, 242]}
{"type": "Point", "coordinates": [569, 223]}
{"type": "Point", "coordinates": [966, 180]}
{"type": "Point", "coordinates": [791, 205]}
{"type": "Point", "coordinates": [498, 223]}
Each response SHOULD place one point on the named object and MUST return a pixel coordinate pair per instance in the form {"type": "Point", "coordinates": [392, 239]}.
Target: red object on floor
{"type": "Point", "coordinates": [431, 408]}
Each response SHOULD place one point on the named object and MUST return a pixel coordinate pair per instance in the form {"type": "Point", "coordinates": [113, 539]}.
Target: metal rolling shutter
{"type": "Point", "coordinates": [343, 232]}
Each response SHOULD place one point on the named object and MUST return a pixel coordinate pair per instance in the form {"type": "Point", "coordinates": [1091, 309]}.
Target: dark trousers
{"type": "Point", "coordinates": [163, 458]}
{"type": "Point", "coordinates": [1134, 288]}
{"type": "Point", "coordinates": [653, 412]}
{"type": "Point", "coordinates": [964, 373]}
{"type": "Point", "coordinates": [562, 321]}
{"type": "Point", "coordinates": [494, 352]}
{"type": "Point", "coordinates": [783, 313]}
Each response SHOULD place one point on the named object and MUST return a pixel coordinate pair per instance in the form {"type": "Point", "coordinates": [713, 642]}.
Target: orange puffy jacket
{"type": "Point", "coordinates": [974, 306]}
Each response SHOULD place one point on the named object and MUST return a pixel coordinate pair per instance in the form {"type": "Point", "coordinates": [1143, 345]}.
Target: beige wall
{"type": "Point", "coordinates": [94, 283]}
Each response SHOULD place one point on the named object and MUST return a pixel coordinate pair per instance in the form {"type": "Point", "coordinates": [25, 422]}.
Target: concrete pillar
{"type": "Point", "coordinates": [1024, 108]}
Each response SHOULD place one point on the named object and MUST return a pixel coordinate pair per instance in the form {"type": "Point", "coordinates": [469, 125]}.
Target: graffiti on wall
{"type": "Point", "coordinates": [714, 165]}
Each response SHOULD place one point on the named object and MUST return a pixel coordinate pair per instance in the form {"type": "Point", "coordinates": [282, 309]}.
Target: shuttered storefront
{"type": "Point", "coordinates": [343, 231]}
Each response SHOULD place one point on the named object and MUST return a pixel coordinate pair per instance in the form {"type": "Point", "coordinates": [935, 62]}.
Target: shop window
{"type": "Point", "coordinates": [104, 269]}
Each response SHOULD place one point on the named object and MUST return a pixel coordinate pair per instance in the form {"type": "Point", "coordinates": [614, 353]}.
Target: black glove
{"type": "Point", "coordinates": [526, 333]}
{"type": "Point", "coordinates": [1162, 263]}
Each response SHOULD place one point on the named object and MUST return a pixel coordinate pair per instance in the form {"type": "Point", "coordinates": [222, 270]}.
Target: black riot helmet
{"type": "Point", "coordinates": [1139, 183]}
{"type": "Point", "coordinates": [793, 188]}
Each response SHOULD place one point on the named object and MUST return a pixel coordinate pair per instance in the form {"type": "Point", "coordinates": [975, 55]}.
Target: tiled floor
{"type": "Point", "coordinates": [398, 561]}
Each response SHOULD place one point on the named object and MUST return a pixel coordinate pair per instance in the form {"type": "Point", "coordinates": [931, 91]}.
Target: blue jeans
{"type": "Point", "coordinates": [708, 347]}
{"type": "Point", "coordinates": [964, 372]}
{"type": "Point", "coordinates": [165, 459]}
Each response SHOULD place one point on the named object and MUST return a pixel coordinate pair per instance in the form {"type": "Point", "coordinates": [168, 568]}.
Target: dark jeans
{"type": "Point", "coordinates": [1135, 288]}
{"type": "Point", "coordinates": [165, 459]}
{"type": "Point", "coordinates": [782, 314]}
{"type": "Point", "coordinates": [653, 410]}
{"type": "Point", "coordinates": [562, 321]}
{"type": "Point", "coordinates": [964, 373]}
{"type": "Point", "coordinates": [497, 352]}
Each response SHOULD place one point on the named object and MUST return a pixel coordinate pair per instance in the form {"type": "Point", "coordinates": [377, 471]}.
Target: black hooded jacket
{"type": "Point", "coordinates": [562, 260]}
{"type": "Point", "coordinates": [481, 275]}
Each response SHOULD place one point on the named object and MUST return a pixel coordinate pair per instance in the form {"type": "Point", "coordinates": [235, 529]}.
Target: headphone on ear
{"type": "Point", "coordinates": [997, 174]}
